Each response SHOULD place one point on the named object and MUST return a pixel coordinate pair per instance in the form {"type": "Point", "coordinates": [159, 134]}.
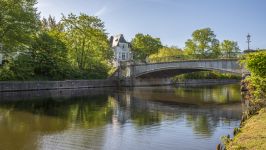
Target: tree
{"type": "Point", "coordinates": [203, 44]}
{"type": "Point", "coordinates": [166, 54]}
{"type": "Point", "coordinates": [19, 21]}
{"type": "Point", "coordinates": [145, 45]}
{"type": "Point", "coordinates": [229, 48]}
{"type": "Point", "coordinates": [51, 25]}
{"type": "Point", "coordinates": [87, 42]}
{"type": "Point", "coordinates": [49, 55]}
{"type": "Point", "coordinates": [256, 63]}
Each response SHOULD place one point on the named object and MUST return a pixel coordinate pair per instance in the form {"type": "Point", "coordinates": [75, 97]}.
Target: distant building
{"type": "Point", "coordinates": [122, 50]}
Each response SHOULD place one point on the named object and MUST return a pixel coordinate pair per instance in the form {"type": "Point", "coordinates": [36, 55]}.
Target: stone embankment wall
{"type": "Point", "coordinates": [54, 85]}
{"type": "Point", "coordinates": [161, 82]}
{"type": "Point", "coordinates": [53, 94]}
{"type": "Point", "coordinates": [10, 86]}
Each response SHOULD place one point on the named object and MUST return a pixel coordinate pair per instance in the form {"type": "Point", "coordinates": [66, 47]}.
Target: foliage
{"type": "Point", "coordinates": [229, 48]}
{"type": "Point", "coordinates": [22, 67]}
{"type": "Point", "coordinates": [86, 40]}
{"type": "Point", "coordinates": [145, 45]}
{"type": "Point", "coordinates": [6, 74]}
{"type": "Point", "coordinates": [166, 54]}
{"type": "Point", "coordinates": [45, 59]}
{"type": "Point", "coordinates": [49, 55]}
{"type": "Point", "coordinates": [255, 63]}
{"type": "Point", "coordinates": [19, 21]}
{"type": "Point", "coordinates": [50, 24]}
{"type": "Point", "coordinates": [249, 137]}
{"type": "Point", "coordinates": [74, 48]}
{"type": "Point", "coordinates": [256, 82]}
{"type": "Point", "coordinates": [203, 44]}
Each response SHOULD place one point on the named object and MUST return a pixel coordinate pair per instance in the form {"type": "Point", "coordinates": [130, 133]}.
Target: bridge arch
{"type": "Point", "coordinates": [171, 72]}
{"type": "Point", "coordinates": [170, 69]}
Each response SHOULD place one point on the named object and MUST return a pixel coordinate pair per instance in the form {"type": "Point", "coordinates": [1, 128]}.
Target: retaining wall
{"type": "Point", "coordinates": [167, 81]}
{"type": "Point", "coordinates": [54, 85]}
{"type": "Point", "coordinates": [10, 86]}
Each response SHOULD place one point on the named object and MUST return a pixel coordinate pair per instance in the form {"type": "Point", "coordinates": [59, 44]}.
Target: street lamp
{"type": "Point", "coordinates": [248, 40]}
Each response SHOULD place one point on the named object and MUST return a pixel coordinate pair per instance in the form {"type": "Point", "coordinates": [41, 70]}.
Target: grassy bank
{"type": "Point", "coordinates": [252, 134]}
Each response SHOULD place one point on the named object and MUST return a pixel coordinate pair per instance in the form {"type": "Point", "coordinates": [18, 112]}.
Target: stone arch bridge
{"type": "Point", "coordinates": [170, 69]}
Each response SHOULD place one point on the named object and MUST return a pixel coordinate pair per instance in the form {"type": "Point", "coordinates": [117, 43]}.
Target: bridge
{"type": "Point", "coordinates": [170, 69]}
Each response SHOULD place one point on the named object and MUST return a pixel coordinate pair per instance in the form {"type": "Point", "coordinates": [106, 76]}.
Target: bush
{"type": "Point", "coordinates": [6, 74]}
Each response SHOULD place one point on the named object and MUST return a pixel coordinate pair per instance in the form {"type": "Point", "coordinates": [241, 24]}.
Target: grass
{"type": "Point", "coordinates": [252, 135]}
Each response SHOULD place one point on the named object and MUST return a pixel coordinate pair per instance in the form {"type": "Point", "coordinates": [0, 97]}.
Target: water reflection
{"type": "Point", "coordinates": [152, 118]}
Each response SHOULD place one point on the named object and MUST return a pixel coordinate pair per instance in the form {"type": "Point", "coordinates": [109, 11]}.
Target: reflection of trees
{"type": "Point", "coordinates": [87, 111]}
{"type": "Point", "coordinates": [201, 124]}
{"type": "Point", "coordinates": [144, 117]}
{"type": "Point", "coordinates": [90, 114]}
{"type": "Point", "coordinates": [21, 122]}
{"type": "Point", "coordinates": [18, 130]}
{"type": "Point", "coordinates": [211, 94]}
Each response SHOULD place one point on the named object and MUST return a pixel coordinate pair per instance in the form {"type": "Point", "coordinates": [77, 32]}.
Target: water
{"type": "Point", "coordinates": [155, 118]}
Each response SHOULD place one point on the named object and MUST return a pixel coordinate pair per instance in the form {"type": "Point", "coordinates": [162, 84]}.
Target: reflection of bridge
{"type": "Point", "coordinates": [170, 69]}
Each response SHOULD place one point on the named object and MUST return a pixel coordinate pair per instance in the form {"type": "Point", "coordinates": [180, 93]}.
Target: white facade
{"type": "Point", "coordinates": [122, 50]}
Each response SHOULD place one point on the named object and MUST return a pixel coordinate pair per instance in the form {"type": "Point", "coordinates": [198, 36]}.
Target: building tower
{"type": "Point", "coordinates": [121, 48]}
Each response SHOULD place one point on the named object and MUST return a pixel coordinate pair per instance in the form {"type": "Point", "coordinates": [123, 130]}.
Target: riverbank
{"type": "Point", "coordinates": [252, 134]}
{"type": "Point", "coordinates": [166, 81]}
{"type": "Point", "coordinates": [12, 86]}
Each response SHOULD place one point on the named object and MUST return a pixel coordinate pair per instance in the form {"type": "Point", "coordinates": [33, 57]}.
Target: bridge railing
{"type": "Point", "coordinates": [191, 57]}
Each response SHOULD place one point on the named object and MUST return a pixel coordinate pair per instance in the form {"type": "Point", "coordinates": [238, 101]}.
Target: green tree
{"type": "Point", "coordinates": [229, 48]}
{"type": "Point", "coordinates": [49, 55]}
{"type": "Point", "coordinates": [87, 42]}
{"type": "Point", "coordinates": [256, 63]}
{"type": "Point", "coordinates": [203, 44]}
{"type": "Point", "coordinates": [19, 21]}
{"type": "Point", "coordinates": [145, 45]}
{"type": "Point", "coordinates": [166, 54]}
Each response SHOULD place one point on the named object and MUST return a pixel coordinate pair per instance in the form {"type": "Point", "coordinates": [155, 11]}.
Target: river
{"type": "Point", "coordinates": [144, 118]}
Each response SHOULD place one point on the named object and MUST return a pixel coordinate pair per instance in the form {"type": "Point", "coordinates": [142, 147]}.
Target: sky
{"type": "Point", "coordinates": [173, 21]}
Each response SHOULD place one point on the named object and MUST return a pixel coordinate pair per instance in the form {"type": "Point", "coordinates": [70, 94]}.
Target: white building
{"type": "Point", "coordinates": [122, 50]}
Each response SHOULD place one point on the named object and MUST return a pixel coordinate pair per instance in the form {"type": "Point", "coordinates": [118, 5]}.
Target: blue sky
{"type": "Point", "coordinates": [173, 21]}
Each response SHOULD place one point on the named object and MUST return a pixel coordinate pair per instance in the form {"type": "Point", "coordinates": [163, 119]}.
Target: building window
{"type": "Point", "coordinates": [123, 56]}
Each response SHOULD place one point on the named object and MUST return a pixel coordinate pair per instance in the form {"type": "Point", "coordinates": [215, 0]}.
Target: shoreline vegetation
{"type": "Point", "coordinates": [252, 131]}
{"type": "Point", "coordinates": [205, 75]}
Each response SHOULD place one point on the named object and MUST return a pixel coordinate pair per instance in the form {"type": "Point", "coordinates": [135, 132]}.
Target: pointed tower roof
{"type": "Point", "coordinates": [115, 40]}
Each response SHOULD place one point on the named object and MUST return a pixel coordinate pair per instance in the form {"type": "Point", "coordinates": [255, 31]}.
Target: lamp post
{"type": "Point", "coordinates": [248, 40]}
